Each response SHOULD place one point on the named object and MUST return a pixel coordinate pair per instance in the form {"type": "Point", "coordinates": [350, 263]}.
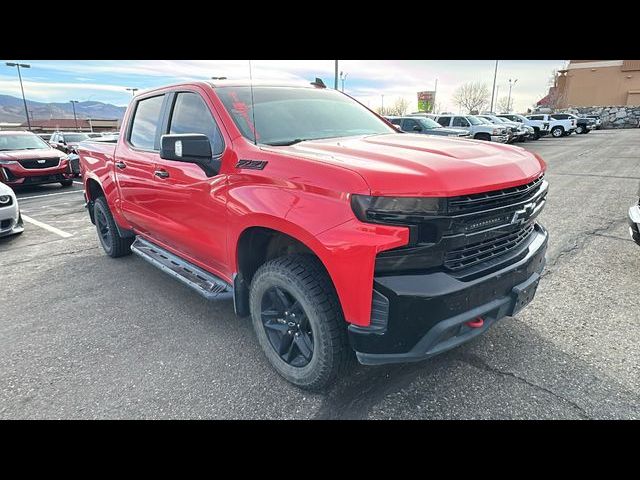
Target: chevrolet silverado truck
{"type": "Point", "coordinates": [26, 159]}
{"type": "Point", "coordinates": [333, 231]}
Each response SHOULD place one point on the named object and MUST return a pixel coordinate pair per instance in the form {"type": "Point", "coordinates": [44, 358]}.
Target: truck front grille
{"type": "Point", "coordinates": [34, 163]}
{"type": "Point", "coordinates": [487, 250]}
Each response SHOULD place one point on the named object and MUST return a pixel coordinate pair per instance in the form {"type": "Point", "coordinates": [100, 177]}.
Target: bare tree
{"type": "Point", "coordinates": [472, 96]}
{"type": "Point", "coordinates": [383, 110]}
{"type": "Point", "coordinates": [399, 107]}
{"type": "Point", "coordinates": [504, 105]}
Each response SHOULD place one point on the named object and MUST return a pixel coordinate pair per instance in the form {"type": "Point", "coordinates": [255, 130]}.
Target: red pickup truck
{"type": "Point", "coordinates": [331, 229]}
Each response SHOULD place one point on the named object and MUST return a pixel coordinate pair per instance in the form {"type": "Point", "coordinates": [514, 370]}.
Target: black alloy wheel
{"type": "Point", "coordinates": [287, 326]}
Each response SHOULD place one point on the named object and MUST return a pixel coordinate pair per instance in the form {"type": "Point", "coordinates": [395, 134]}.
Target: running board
{"type": "Point", "coordinates": [203, 282]}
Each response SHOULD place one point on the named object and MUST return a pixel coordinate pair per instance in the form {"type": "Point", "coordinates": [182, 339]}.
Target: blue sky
{"type": "Point", "coordinates": [367, 80]}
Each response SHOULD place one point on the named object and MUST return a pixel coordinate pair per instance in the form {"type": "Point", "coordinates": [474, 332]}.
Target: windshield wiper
{"type": "Point", "coordinates": [286, 143]}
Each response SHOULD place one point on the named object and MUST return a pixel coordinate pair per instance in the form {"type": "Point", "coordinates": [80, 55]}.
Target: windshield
{"type": "Point", "coordinates": [429, 124]}
{"type": "Point", "coordinates": [287, 115]}
{"type": "Point", "coordinates": [21, 142]}
{"type": "Point", "coordinates": [75, 137]}
{"type": "Point", "coordinates": [477, 120]}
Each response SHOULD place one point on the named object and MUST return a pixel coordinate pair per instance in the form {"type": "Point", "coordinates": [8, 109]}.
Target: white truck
{"type": "Point", "coordinates": [540, 127]}
{"type": "Point", "coordinates": [559, 124]}
{"type": "Point", "coordinates": [477, 129]}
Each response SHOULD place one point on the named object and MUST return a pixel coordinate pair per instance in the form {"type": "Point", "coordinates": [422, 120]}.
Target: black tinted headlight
{"type": "Point", "coordinates": [399, 210]}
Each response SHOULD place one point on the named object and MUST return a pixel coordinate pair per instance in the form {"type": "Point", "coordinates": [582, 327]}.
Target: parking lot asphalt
{"type": "Point", "coordinates": [86, 336]}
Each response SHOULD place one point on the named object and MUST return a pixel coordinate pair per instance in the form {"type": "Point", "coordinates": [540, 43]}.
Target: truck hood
{"type": "Point", "coordinates": [24, 154]}
{"type": "Point", "coordinates": [420, 165]}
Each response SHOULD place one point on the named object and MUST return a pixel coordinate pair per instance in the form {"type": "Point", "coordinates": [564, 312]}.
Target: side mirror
{"type": "Point", "coordinates": [190, 148]}
{"type": "Point", "coordinates": [417, 128]}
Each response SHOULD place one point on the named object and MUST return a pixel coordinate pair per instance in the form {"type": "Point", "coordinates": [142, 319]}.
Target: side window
{"type": "Point", "coordinates": [396, 121]}
{"type": "Point", "coordinates": [536, 117]}
{"type": "Point", "coordinates": [444, 121]}
{"type": "Point", "coordinates": [408, 124]}
{"type": "Point", "coordinates": [145, 122]}
{"type": "Point", "coordinates": [191, 115]}
{"type": "Point", "coordinates": [460, 122]}
{"type": "Point", "coordinates": [560, 117]}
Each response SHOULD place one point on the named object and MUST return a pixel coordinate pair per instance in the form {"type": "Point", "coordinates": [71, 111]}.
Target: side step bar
{"type": "Point", "coordinates": [203, 282]}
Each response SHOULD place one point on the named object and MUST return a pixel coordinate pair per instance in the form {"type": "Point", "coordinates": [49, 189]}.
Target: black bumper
{"type": "Point", "coordinates": [429, 314]}
{"type": "Point", "coordinates": [634, 223]}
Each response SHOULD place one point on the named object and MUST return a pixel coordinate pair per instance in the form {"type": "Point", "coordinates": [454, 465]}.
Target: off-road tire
{"type": "Point", "coordinates": [113, 244]}
{"type": "Point", "coordinates": [305, 280]}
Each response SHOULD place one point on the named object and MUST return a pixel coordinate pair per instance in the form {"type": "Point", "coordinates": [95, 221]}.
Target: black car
{"type": "Point", "coordinates": [426, 126]}
{"type": "Point", "coordinates": [597, 119]}
{"type": "Point", "coordinates": [67, 141]}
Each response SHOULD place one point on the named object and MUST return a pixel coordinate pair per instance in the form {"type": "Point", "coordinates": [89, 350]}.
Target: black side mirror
{"type": "Point", "coordinates": [190, 148]}
{"type": "Point", "coordinates": [417, 128]}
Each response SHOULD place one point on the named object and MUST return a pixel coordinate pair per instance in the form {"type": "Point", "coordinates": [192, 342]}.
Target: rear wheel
{"type": "Point", "coordinates": [67, 183]}
{"type": "Point", "coordinates": [298, 321]}
{"type": "Point", "coordinates": [579, 129]}
{"type": "Point", "coordinates": [113, 244]}
{"type": "Point", "coordinates": [557, 132]}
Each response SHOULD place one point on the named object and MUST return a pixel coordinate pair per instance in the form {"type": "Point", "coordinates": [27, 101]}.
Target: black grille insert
{"type": "Point", "coordinates": [483, 251]}
{"type": "Point", "coordinates": [34, 163]}
{"type": "Point", "coordinates": [494, 198]}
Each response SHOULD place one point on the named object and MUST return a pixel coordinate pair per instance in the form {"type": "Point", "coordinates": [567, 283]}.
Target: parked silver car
{"type": "Point", "coordinates": [10, 218]}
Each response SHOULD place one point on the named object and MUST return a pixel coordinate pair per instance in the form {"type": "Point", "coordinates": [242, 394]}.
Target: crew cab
{"type": "Point", "coordinates": [540, 127]}
{"type": "Point", "coordinates": [518, 132]}
{"type": "Point", "coordinates": [333, 231]}
{"type": "Point", "coordinates": [26, 159]}
{"type": "Point", "coordinates": [425, 125]}
{"type": "Point", "coordinates": [477, 129]}
{"type": "Point", "coordinates": [560, 124]}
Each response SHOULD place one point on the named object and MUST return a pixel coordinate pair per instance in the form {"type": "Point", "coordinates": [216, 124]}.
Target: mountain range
{"type": "Point", "coordinates": [12, 110]}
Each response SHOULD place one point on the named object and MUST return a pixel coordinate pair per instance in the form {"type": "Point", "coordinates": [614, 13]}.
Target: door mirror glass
{"type": "Point", "coordinates": [190, 148]}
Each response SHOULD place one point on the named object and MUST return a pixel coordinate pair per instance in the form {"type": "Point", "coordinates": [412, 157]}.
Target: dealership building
{"type": "Point", "coordinates": [51, 125]}
{"type": "Point", "coordinates": [586, 83]}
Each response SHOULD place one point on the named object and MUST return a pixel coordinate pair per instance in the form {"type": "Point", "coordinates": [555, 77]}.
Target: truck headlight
{"type": "Point", "coordinates": [397, 210]}
{"type": "Point", "coordinates": [497, 131]}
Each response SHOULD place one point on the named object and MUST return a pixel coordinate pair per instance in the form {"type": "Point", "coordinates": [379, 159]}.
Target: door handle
{"type": "Point", "coordinates": [161, 173]}
{"type": "Point", "coordinates": [121, 165]}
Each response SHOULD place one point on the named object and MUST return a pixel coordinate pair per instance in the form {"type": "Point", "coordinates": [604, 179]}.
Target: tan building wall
{"type": "Point", "coordinates": [587, 83]}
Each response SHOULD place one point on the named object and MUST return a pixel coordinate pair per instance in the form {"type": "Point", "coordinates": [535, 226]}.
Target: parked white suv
{"type": "Point", "coordinates": [540, 127]}
{"type": "Point", "coordinates": [477, 129]}
{"type": "Point", "coordinates": [560, 124]}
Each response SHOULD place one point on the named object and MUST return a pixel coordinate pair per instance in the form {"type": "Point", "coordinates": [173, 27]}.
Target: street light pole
{"type": "Point", "coordinates": [75, 119]}
{"type": "Point", "coordinates": [343, 77]}
{"type": "Point", "coordinates": [23, 65]}
{"type": "Point", "coordinates": [493, 89]}
{"type": "Point", "coordinates": [335, 79]}
{"type": "Point", "coordinates": [509, 99]}
{"type": "Point", "coordinates": [133, 91]}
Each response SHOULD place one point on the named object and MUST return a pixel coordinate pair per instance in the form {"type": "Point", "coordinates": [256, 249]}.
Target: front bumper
{"type": "Point", "coordinates": [15, 175]}
{"type": "Point", "coordinates": [500, 138]}
{"type": "Point", "coordinates": [428, 314]}
{"type": "Point", "coordinates": [10, 219]}
{"type": "Point", "coordinates": [634, 223]}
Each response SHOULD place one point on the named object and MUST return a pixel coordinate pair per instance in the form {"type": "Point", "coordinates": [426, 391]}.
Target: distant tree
{"type": "Point", "coordinates": [399, 107]}
{"type": "Point", "coordinates": [504, 105]}
{"type": "Point", "coordinates": [472, 96]}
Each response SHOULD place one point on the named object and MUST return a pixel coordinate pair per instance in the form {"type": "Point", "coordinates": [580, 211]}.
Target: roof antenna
{"type": "Point", "coordinates": [253, 108]}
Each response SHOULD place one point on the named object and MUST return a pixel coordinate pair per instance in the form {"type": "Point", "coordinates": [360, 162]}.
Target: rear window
{"type": "Point", "coordinates": [145, 123]}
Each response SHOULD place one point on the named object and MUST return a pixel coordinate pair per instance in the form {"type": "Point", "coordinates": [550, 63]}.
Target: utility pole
{"type": "Point", "coordinates": [509, 99]}
{"type": "Point", "coordinates": [493, 89]}
{"type": "Point", "coordinates": [23, 65]}
{"type": "Point", "coordinates": [335, 82]}
{"type": "Point", "coordinates": [133, 91]}
{"type": "Point", "coordinates": [73, 104]}
{"type": "Point", "coordinates": [497, 95]}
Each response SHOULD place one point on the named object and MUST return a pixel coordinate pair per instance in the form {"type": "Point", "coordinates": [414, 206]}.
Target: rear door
{"type": "Point", "coordinates": [135, 162]}
{"type": "Point", "coordinates": [191, 206]}
{"type": "Point", "coordinates": [444, 121]}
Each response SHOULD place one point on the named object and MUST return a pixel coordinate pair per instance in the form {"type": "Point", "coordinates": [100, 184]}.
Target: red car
{"type": "Point", "coordinates": [331, 229]}
{"type": "Point", "coordinates": [26, 159]}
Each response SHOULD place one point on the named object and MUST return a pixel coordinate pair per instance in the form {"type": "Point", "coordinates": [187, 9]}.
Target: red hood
{"type": "Point", "coordinates": [421, 165]}
{"type": "Point", "coordinates": [24, 154]}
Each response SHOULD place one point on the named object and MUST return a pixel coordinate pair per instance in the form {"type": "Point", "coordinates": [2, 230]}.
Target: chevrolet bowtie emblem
{"type": "Point", "coordinates": [520, 216]}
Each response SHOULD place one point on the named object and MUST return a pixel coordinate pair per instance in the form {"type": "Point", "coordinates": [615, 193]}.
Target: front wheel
{"type": "Point", "coordinates": [67, 183]}
{"type": "Point", "coordinates": [483, 136]}
{"type": "Point", "coordinates": [579, 129]}
{"type": "Point", "coordinates": [298, 321]}
{"type": "Point", "coordinates": [557, 132]}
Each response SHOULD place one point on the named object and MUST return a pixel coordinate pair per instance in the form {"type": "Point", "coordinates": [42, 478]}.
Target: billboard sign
{"type": "Point", "coordinates": [426, 101]}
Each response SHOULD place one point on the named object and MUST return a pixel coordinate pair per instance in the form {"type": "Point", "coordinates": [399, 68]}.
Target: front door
{"type": "Point", "coordinates": [189, 205]}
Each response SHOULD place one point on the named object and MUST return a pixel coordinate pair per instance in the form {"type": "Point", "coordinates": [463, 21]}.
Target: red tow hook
{"type": "Point", "coordinates": [477, 323]}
